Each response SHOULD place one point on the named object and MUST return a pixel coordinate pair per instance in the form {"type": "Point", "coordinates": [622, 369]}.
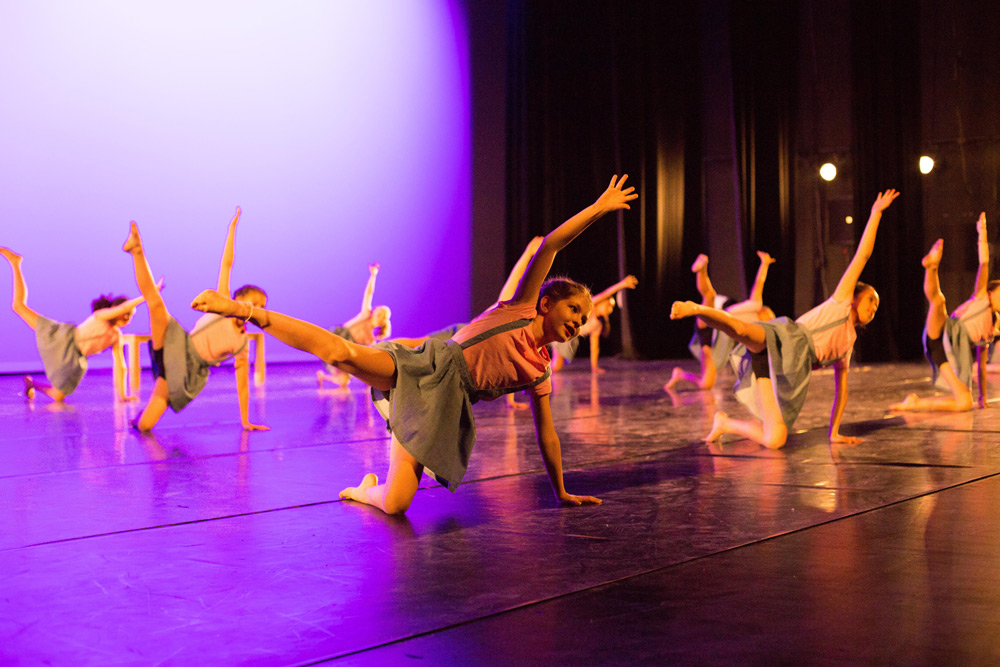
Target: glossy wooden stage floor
{"type": "Point", "coordinates": [202, 544]}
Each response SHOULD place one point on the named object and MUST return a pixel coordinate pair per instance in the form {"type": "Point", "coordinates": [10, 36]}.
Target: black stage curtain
{"type": "Point", "coordinates": [598, 88]}
{"type": "Point", "coordinates": [764, 47]}
{"type": "Point", "coordinates": [886, 104]}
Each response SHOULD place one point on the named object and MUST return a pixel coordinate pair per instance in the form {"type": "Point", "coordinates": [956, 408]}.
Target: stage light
{"type": "Point", "coordinates": [926, 164]}
{"type": "Point", "coordinates": [828, 172]}
{"type": "Point", "coordinates": [849, 219]}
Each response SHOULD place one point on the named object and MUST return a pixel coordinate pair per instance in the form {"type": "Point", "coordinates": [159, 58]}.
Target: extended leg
{"type": "Point", "coordinates": [395, 496]}
{"type": "Point", "coordinates": [19, 302]}
{"type": "Point", "coordinates": [158, 314]}
{"type": "Point", "coordinates": [372, 366]}
{"type": "Point", "coordinates": [155, 407]}
{"type": "Point", "coordinates": [750, 334]}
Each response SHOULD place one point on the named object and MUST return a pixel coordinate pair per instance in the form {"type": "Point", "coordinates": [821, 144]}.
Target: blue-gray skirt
{"type": "Point", "coordinates": [791, 358]}
{"type": "Point", "coordinates": [429, 411]}
{"type": "Point", "coordinates": [64, 364]}
{"type": "Point", "coordinates": [958, 347]}
{"type": "Point", "coordinates": [183, 368]}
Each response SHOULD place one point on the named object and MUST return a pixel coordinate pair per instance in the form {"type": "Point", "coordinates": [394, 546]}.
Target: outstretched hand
{"type": "Point", "coordinates": [373, 268]}
{"type": "Point", "coordinates": [981, 224]}
{"type": "Point", "coordinates": [570, 499]}
{"type": "Point", "coordinates": [884, 199]}
{"type": "Point", "coordinates": [236, 217]}
{"type": "Point", "coordinates": [160, 285]}
{"type": "Point", "coordinates": [631, 282]}
{"type": "Point", "coordinates": [615, 198]}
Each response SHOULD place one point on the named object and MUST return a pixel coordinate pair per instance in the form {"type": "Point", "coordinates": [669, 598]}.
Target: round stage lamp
{"type": "Point", "coordinates": [828, 172]}
{"type": "Point", "coordinates": [849, 219]}
{"type": "Point", "coordinates": [926, 164]}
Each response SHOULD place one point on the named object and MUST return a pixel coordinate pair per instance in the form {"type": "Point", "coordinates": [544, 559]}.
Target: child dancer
{"type": "Point", "coordinates": [426, 394]}
{"type": "Point", "coordinates": [597, 326]}
{"type": "Point", "coordinates": [774, 375]}
{"type": "Point", "coordinates": [368, 327]}
{"type": "Point", "coordinates": [712, 347]}
{"type": "Point", "coordinates": [64, 347]}
{"type": "Point", "coordinates": [181, 360]}
{"type": "Point", "coordinates": [971, 325]}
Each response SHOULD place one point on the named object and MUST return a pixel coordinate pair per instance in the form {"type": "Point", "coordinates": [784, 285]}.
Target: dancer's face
{"type": "Point", "coordinates": [865, 305]}
{"type": "Point", "coordinates": [563, 318]}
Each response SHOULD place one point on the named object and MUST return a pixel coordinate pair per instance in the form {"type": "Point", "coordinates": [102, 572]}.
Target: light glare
{"type": "Point", "coordinates": [828, 172]}
{"type": "Point", "coordinates": [926, 164]}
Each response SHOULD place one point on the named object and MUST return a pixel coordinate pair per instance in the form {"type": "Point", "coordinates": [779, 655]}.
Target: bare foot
{"type": "Point", "coordinates": [933, 256]}
{"type": "Point", "coordinates": [358, 492]}
{"type": "Point", "coordinates": [29, 387]}
{"type": "Point", "coordinates": [211, 301]}
{"type": "Point", "coordinates": [700, 264]}
{"type": "Point", "coordinates": [11, 256]}
{"type": "Point", "coordinates": [909, 403]}
{"type": "Point", "coordinates": [682, 309]}
{"type": "Point", "coordinates": [718, 426]}
{"type": "Point", "coordinates": [320, 376]}
{"type": "Point", "coordinates": [676, 376]}
{"type": "Point", "coordinates": [133, 244]}
{"type": "Point", "coordinates": [765, 258]}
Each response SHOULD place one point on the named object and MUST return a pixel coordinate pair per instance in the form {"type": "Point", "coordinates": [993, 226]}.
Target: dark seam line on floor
{"type": "Point", "coordinates": [534, 603]}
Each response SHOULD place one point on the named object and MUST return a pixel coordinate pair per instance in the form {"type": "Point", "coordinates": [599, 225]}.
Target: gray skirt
{"type": "Point", "coordinates": [790, 357]}
{"type": "Point", "coordinates": [429, 410]}
{"type": "Point", "coordinates": [64, 364]}
{"type": "Point", "coordinates": [958, 348]}
{"type": "Point", "coordinates": [183, 368]}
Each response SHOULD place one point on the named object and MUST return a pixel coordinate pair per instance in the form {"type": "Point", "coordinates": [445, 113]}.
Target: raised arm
{"type": "Point", "coordinates": [983, 274]}
{"type": "Point", "coordinates": [613, 199]}
{"type": "Point", "coordinates": [845, 288]}
{"type": "Point", "coordinates": [228, 253]}
{"type": "Point", "coordinates": [114, 312]}
{"type": "Point", "coordinates": [757, 291]}
{"type": "Point", "coordinates": [551, 450]}
{"type": "Point", "coordinates": [514, 279]}
{"type": "Point", "coordinates": [628, 283]}
{"type": "Point", "coordinates": [369, 294]}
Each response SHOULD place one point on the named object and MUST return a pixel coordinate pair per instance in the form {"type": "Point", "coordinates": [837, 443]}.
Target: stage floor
{"type": "Point", "coordinates": [202, 544]}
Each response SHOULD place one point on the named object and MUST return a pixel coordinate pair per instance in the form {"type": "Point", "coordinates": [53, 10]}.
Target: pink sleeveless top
{"type": "Point", "coordinates": [977, 318]}
{"type": "Point", "coordinates": [508, 359]}
{"type": "Point", "coordinates": [96, 335]}
{"type": "Point", "coordinates": [831, 342]}
{"type": "Point", "coordinates": [216, 338]}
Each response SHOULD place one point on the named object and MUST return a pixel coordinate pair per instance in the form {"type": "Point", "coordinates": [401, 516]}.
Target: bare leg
{"type": "Point", "coordinates": [372, 366]}
{"type": "Point", "coordinates": [19, 302]}
{"type": "Point", "coordinates": [155, 407]}
{"type": "Point", "coordinates": [395, 496]}
{"type": "Point", "coordinates": [771, 432]}
{"type": "Point", "coordinates": [750, 334]}
{"type": "Point", "coordinates": [757, 291]}
{"type": "Point", "coordinates": [159, 317]}
{"type": "Point", "coordinates": [937, 315]}
{"type": "Point", "coordinates": [32, 385]}
{"type": "Point", "coordinates": [704, 381]}
{"type": "Point", "coordinates": [338, 378]}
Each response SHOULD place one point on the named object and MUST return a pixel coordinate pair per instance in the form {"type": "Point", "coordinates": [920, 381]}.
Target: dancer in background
{"type": "Point", "coordinates": [64, 347]}
{"type": "Point", "coordinates": [779, 355]}
{"type": "Point", "coordinates": [970, 327]}
{"type": "Point", "coordinates": [597, 326]}
{"type": "Point", "coordinates": [368, 327]}
{"type": "Point", "coordinates": [426, 394]}
{"type": "Point", "coordinates": [181, 360]}
{"type": "Point", "coordinates": [710, 346]}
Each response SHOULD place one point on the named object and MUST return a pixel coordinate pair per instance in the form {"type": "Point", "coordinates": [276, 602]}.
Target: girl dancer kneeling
{"type": "Point", "coordinates": [369, 326]}
{"type": "Point", "coordinates": [64, 347]}
{"type": "Point", "coordinates": [426, 394]}
{"type": "Point", "coordinates": [712, 348]}
{"type": "Point", "coordinates": [181, 360]}
{"type": "Point", "coordinates": [774, 374]}
{"type": "Point", "coordinates": [970, 326]}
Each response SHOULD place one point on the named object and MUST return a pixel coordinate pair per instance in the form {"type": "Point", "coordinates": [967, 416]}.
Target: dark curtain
{"type": "Point", "coordinates": [598, 88]}
{"type": "Point", "coordinates": [764, 47]}
{"type": "Point", "coordinates": [886, 103]}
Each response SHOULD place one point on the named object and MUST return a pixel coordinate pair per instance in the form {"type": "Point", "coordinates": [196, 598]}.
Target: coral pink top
{"type": "Point", "coordinates": [977, 318]}
{"type": "Point", "coordinates": [216, 338]}
{"type": "Point", "coordinates": [746, 311]}
{"type": "Point", "coordinates": [831, 342]}
{"type": "Point", "coordinates": [96, 335]}
{"type": "Point", "coordinates": [509, 359]}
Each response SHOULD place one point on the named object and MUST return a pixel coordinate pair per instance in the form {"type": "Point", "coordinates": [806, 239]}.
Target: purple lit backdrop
{"type": "Point", "coordinates": [341, 128]}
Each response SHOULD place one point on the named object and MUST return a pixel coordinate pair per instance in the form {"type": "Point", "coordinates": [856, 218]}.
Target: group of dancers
{"type": "Point", "coordinates": [425, 387]}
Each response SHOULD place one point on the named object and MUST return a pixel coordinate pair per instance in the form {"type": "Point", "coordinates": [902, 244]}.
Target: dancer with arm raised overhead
{"type": "Point", "coordinates": [426, 394]}
{"type": "Point", "coordinates": [779, 355]}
